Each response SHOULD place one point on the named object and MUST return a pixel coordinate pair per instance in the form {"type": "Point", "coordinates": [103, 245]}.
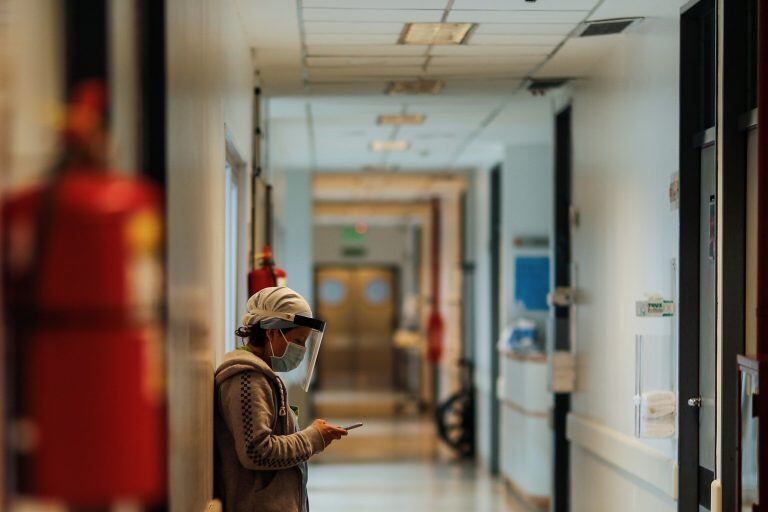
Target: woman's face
{"type": "Point", "coordinates": [297, 335]}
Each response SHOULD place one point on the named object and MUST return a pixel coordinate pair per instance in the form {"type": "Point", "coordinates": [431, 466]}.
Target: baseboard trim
{"type": "Point", "coordinates": [625, 452]}
{"type": "Point", "coordinates": [531, 500]}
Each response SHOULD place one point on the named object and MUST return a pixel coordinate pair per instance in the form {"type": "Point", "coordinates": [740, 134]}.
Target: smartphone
{"type": "Point", "coordinates": [353, 426]}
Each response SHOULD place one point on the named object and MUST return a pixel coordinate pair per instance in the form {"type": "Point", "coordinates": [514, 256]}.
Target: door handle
{"type": "Point", "coordinates": [694, 401]}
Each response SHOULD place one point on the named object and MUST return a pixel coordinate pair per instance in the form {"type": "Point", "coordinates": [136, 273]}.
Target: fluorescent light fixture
{"type": "Point", "coordinates": [415, 87]}
{"type": "Point", "coordinates": [390, 145]}
{"type": "Point", "coordinates": [401, 119]}
{"type": "Point", "coordinates": [435, 33]}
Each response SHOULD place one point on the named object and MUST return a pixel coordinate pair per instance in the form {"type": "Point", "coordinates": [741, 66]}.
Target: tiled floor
{"type": "Point", "coordinates": [392, 464]}
{"type": "Point", "coordinates": [406, 487]}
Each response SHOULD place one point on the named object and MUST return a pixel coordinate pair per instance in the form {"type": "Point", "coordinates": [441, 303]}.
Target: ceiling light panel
{"type": "Point", "coordinates": [435, 33]}
{"type": "Point", "coordinates": [523, 5]}
{"type": "Point", "coordinates": [400, 119]}
{"type": "Point", "coordinates": [373, 15]}
{"type": "Point", "coordinates": [415, 87]}
{"type": "Point", "coordinates": [389, 146]}
{"type": "Point", "coordinates": [476, 16]}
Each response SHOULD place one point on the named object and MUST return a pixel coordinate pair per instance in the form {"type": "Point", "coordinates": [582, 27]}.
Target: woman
{"type": "Point", "coordinates": [260, 452]}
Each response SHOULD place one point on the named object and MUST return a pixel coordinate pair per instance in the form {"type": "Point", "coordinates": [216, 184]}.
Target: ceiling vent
{"type": "Point", "coordinates": [605, 27]}
{"type": "Point", "coordinates": [415, 87]}
{"type": "Point", "coordinates": [540, 87]}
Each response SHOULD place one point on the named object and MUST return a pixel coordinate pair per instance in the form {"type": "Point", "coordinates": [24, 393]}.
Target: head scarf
{"type": "Point", "coordinates": [269, 306]}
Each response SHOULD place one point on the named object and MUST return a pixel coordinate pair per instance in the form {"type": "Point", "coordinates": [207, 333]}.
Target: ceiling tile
{"type": "Point", "coordinates": [347, 89]}
{"type": "Point", "coordinates": [365, 61]}
{"type": "Point", "coordinates": [523, 5]}
{"type": "Point", "coordinates": [372, 15]}
{"type": "Point", "coordinates": [332, 27]}
{"type": "Point", "coordinates": [348, 39]}
{"type": "Point", "coordinates": [365, 50]}
{"type": "Point", "coordinates": [492, 50]}
{"type": "Point", "coordinates": [364, 71]}
{"type": "Point", "coordinates": [485, 59]}
{"type": "Point", "coordinates": [515, 39]}
{"type": "Point", "coordinates": [480, 71]}
{"type": "Point", "coordinates": [374, 4]}
{"type": "Point", "coordinates": [517, 16]}
{"type": "Point", "coordinates": [524, 28]}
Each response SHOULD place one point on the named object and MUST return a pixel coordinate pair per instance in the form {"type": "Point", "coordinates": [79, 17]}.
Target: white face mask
{"type": "Point", "coordinates": [291, 358]}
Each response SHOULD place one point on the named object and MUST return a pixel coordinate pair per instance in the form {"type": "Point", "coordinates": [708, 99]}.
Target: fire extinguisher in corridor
{"type": "Point", "coordinates": [435, 323]}
{"type": "Point", "coordinates": [83, 284]}
{"type": "Point", "coordinates": [266, 274]}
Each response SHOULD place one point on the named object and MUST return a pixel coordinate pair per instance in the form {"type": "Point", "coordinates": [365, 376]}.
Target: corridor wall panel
{"type": "Point", "coordinates": [625, 133]}
{"type": "Point", "coordinates": [480, 234]}
{"type": "Point", "coordinates": [209, 75]}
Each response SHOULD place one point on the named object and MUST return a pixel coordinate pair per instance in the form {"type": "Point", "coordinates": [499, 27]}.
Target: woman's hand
{"type": "Point", "coordinates": [330, 433]}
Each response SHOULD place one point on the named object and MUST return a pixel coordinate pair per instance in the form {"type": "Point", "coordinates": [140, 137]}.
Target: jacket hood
{"type": "Point", "coordinates": [239, 361]}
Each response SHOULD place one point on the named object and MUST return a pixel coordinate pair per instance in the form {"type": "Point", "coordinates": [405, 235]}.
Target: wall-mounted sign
{"type": "Point", "coordinates": [531, 242]}
{"type": "Point", "coordinates": [655, 306]}
{"type": "Point", "coordinates": [532, 282]}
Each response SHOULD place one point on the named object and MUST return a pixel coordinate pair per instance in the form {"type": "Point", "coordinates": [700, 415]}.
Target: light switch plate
{"type": "Point", "coordinates": [214, 506]}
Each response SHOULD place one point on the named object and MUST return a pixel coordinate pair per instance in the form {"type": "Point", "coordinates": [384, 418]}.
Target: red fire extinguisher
{"type": "Point", "coordinates": [435, 323]}
{"type": "Point", "coordinates": [266, 274]}
{"type": "Point", "coordinates": [83, 283]}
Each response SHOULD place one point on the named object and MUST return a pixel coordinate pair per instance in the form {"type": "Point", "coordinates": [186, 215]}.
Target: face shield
{"type": "Point", "coordinates": [314, 329]}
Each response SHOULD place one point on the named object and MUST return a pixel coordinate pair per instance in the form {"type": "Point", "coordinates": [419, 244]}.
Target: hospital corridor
{"type": "Point", "coordinates": [383, 255]}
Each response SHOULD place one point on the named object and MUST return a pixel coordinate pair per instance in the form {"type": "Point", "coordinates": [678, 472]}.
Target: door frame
{"type": "Point", "coordinates": [738, 97]}
{"type": "Point", "coordinates": [698, 104]}
{"type": "Point", "coordinates": [561, 263]}
{"type": "Point", "coordinates": [494, 247]}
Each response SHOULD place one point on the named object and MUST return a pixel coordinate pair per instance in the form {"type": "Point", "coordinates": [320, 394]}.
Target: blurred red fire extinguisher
{"type": "Point", "coordinates": [83, 287]}
{"type": "Point", "coordinates": [266, 274]}
{"type": "Point", "coordinates": [435, 323]}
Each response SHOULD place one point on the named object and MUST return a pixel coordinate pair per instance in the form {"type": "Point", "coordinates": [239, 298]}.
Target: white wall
{"type": "Point", "coordinates": [35, 89]}
{"type": "Point", "coordinates": [525, 431]}
{"type": "Point", "coordinates": [478, 239]}
{"type": "Point", "coordinates": [209, 91]}
{"type": "Point", "coordinates": [293, 229]}
{"type": "Point", "coordinates": [527, 210]}
{"type": "Point", "coordinates": [625, 147]}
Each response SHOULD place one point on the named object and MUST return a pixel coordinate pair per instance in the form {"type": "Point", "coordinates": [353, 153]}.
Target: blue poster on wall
{"type": "Point", "coordinates": [532, 281]}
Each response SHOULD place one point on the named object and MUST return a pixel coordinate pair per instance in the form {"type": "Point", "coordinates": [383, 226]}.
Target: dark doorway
{"type": "Point", "coordinates": [561, 325]}
{"type": "Point", "coordinates": [699, 204]}
{"type": "Point", "coordinates": [495, 289]}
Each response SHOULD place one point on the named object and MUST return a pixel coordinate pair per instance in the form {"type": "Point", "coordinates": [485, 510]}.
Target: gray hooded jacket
{"type": "Point", "coordinates": [260, 460]}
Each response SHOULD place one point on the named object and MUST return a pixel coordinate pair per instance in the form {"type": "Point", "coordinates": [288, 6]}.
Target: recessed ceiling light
{"type": "Point", "coordinates": [415, 87]}
{"type": "Point", "coordinates": [435, 33]}
{"type": "Point", "coordinates": [400, 119]}
{"type": "Point", "coordinates": [390, 145]}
